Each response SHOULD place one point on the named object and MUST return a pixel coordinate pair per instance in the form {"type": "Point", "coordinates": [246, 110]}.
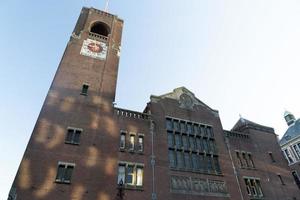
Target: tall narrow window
{"type": "Point", "coordinates": [73, 136]}
{"type": "Point", "coordinates": [141, 143]}
{"type": "Point", "coordinates": [130, 175]}
{"type": "Point", "coordinates": [199, 144]}
{"type": "Point", "coordinates": [189, 128]}
{"type": "Point", "coordinates": [169, 125]}
{"type": "Point", "coordinates": [182, 127]}
{"type": "Point", "coordinates": [187, 161]}
{"type": "Point", "coordinates": [195, 161]}
{"type": "Point", "coordinates": [239, 158]}
{"type": "Point", "coordinates": [288, 156]}
{"type": "Point", "coordinates": [217, 165]}
{"type": "Point", "coordinates": [251, 160]}
{"type": "Point", "coordinates": [271, 157]}
{"type": "Point", "coordinates": [180, 162]}
{"type": "Point", "coordinates": [281, 180]}
{"type": "Point", "coordinates": [296, 149]}
{"type": "Point", "coordinates": [245, 159]}
{"type": "Point", "coordinates": [185, 142]}
{"type": "Point", "coordinates": [121, 174]}
{"type": "Point", "coordinates": [192, 143]}
{"type": "Point", "coordinates": [139, 176]}
{"type": "Point", "coordinates": [84, 90]}
{"type": "Point", "coordinates": [172, 158]}
{"type": "Point", "coordinates": [170, 140]}
{"type": "Point", "coordinates": [176, 125]}
{"type": "Point", "coordinates": [253, 188]}
{"type": "Point", "coordinates": [296, 178]}
{"type": "Point", "coordinates": [122, 140]}
{"type": "Point", "coordinates": [202, 163]}
{"type": "Point", "coordinates": [64, 172]}
{"type": "Point", "coordinates": [131, 142]}
{"type": "Point", "coordinates": [205, 145]}
{"type": "Point", "coordinates": [178, 140]}
{"type": "Point", "coordinates": [209, 164]}
{"type": "Point", "coordinates": [247, 182]}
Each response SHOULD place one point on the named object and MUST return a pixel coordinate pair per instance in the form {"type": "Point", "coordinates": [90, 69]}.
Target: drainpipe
{"type": "Point", "coordinates": [153, 195]}
{"type": "Point", "coordinates": [233, 166]}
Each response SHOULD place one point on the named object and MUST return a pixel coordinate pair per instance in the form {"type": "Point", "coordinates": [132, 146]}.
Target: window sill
{"type": "Point", "coordinates": [72, 143]}
{"type": "Point", "coordinates": [196, 171]}
{"type": "Point", "coordinates": [62, 182]}
{"type": "Point", "coordinates": [133, 187]}
{"type": "Point", "coordinates": [84, 94]}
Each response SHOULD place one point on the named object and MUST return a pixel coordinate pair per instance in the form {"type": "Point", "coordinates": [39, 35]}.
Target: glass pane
{"type": "Point", "coordinates": [217, 165]}
{"type": "Point", "coordinates": [202, 163]}
{"type": "Point", "coordinates": [170, 139]}
{"type": "Point", "coordinates": [139, 176]}
{"type": "Point", "coordinates": [187, 161]}
{"type": "Point", "coordinates": [189, 128]}
{"type": "Point", "coordinates": [69, 135]}
{"type": "Point", "coordinates": [169, 124]}
{"type": "Point", "coordinates": [209, 164]}
{"type": "Point", "coordinates": [179, 159]}
{"type": "Point", "coordinates": [141, 143]}
{"type": "Point", "coordinates": [176, 125]}
{"type": "Point", "coordinates": [122, 141]}
{"type": "Point", "coordinates": [131, 142]}
{"type": "Point", "coordinates": [182, 127]}
{"type": "Point", "coordinates": [192, 143]}
{"type": "Point", "coordinates": [178, 140]}
{"type": "Point", "coordinates": [121, 174]}
{"type": "Point", "coordinates": [60, 172]}
{"type": "Point", "coordinates": [185, 142]}
{"type": "Point", "coordinates": [195, 161]}
{"type": "Point", "coordinates": [199, 144]}
{"type": "Point", "coordinates": [129, 177]}
{"type": "Point", "coordinates": [205, 145]}
{"type": "Point", "coordinates": [68, 173]}
{"type": "Point", "coordinates": [172, 158]}
{"type": "Point", "coordinates": [76, 138]}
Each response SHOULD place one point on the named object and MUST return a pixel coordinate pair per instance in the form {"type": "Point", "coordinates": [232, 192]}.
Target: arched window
{"type": "Point", "coordinates": [100, 28]}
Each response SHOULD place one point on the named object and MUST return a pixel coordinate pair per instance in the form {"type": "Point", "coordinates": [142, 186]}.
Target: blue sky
{"type": "Point", "coordinates": [237, 56]}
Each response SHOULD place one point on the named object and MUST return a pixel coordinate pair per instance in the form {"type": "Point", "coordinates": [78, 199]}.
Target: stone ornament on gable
{"type": "Point", "coordinates": [186, 101]}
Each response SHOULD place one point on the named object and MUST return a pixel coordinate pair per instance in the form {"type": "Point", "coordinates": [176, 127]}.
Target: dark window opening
{"type": "Point", "coordinates": [84, 89]}
{"type": "Point", "coordinates": [73, 136]}
{"type": "Point", "coordinates": [271, 156]}
{"type": "Point", "coordinates": [296, 178]}
{"type": "Point", "coordinates": [64, 173]}
{"type": "Point", "coordinates": [100, 28]}
{"type": "Point", "coordinates": [281, 180]}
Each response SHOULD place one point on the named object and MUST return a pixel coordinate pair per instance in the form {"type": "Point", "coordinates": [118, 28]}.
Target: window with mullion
{"type": "Point", "coordinates": [73, 136]}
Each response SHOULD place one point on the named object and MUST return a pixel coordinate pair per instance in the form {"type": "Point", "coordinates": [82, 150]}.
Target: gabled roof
{"type": "Point", "coordinates": [291, 133]}
{"type": "Point", "coordinates": [180, 92]}
{"type": "Point", "coordinates": [243, 124]}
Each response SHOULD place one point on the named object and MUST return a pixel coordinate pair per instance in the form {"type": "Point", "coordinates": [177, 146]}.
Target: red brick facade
{"type": "Point", "coordinates": [58, 164]}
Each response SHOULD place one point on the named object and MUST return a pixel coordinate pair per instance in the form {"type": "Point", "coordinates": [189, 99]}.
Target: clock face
{"type": "Point", "coordinates": [94, 49]}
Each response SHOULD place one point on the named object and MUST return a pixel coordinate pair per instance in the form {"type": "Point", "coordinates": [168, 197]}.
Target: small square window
{"type": "Point", "coordinates": [84, 90]}
{"type": "Point", "coordinates": [64, 172]}
{"type": "Point", "coordinates": [73, 136]}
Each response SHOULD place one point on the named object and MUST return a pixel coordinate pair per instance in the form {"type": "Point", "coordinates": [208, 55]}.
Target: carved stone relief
{"type": "Point", "coordinates": [198, 186]}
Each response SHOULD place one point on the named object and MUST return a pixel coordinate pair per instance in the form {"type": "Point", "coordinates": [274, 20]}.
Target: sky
{"type": "Point", "coordinates": [240, 57]}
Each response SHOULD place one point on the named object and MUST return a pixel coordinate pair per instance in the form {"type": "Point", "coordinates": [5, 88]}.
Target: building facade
{"type": "Point", "coordinates": [83, 147]}
{"type": "Point", "coordinates": [290, 145]}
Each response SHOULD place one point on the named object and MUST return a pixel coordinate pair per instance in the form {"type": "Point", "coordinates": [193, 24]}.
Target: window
{"type": "Point", "coordinates": [131, 174]}
{"type": "Point", "coordinates": [280, 178]}
{"type": "Point", "coordinates": [192, 143]}
{"type": "Point", "coordinates": [271, 157]}
{"type": "Point", "coordinates": [296, 178]}
{"type": "Point", "coordinates": [170, 140]}
{"type": "Point", "coordinates": [245, 159]}
{"type": "Point", "coordinates": [178, 140]}
{"type": "Point", "coordinates": [296, 149]}
{"type": "Point", "coordinates": [121, 174]}
{"type": "Point", "coordinates": [169, 125]}
{"type": "Point", "coordinates": [64, 172]}
{"type": "Point", "coordinates": [185, 144]}
{"type": "Point", "coordinates": [73, 136]}
{"type": "Point", "coordinates": [100, 28]}
{"type": "Point", "coordinates": [122, 140]}
{"type": "Point", "coordinates": [251, 160]}
{"type": "Point", "coordinates": [139, 176]}
{"type": "Point", "coordinates": [131, 142]}
{"type": "Point", "coordinates": [288, 156]}
{"type": "Point", "coordinates": [239, 158]}
{"type": "Point", "coordinates": [253, 187]}
{"type": "Point", "coordinates": [84, 90]}
{"type": "Point", "coordinates": [187, 161]}
{"type": "Point", "coordinates": [172, 158]}
{"type": "Point", "coordinates": [141, 143]}
{"type": "Point", "coordinates": [180, 162]}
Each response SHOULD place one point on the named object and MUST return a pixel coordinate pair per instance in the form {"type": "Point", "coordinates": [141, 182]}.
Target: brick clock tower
{"type": "Point", "coordinates": [69, 153]}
